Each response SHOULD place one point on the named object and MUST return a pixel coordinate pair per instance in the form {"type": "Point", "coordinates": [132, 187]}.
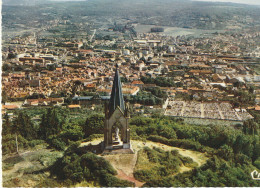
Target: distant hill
{"type": "Point", "coordinates": [177, 13]}
{"type": "Point", "coordinates": [23, 2]}
{"type": "Point", "coordinates": [31, 2]}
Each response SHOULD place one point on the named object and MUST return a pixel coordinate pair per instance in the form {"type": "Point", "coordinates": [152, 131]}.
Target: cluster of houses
{"type": "Point", "coordinates": [55, 70]}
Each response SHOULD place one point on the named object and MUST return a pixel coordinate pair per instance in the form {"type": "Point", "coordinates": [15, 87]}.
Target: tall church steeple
{"type": "Point", "coordinates": [116, 98]}
{"type": "Point", "coordinates": [117, 115]}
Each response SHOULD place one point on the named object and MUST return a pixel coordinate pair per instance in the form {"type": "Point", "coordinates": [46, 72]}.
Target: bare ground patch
{"type": "Point", "coordinates": [22, 170]}
{"type": "Point", "coordinates": [124, 164]}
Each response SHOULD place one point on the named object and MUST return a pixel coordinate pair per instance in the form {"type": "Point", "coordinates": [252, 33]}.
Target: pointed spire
{"type": "Point", "coordinates": [116, 97]}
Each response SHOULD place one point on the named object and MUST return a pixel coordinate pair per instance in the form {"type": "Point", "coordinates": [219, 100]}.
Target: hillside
{"type": "Point", "coordinates": [126, 164]}
{"type": "Point", "coordinates": [168, 153]}
{"type": "Point", "coordinates": [188, 14]}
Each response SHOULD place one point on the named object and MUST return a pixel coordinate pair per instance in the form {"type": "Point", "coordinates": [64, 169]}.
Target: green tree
{"type": "Point", "coordinates": [7, 125]}
{"type": "Point", "coordinates": [94, 124]}
{"type": "Point", "coordinates": [250, 127]}
{"type": "Point", "coordinates": [24, 126]}
{"type": "Point", "coordinates": [4, 96]}
{"type": "Point", "coordinates": [226, 152]}
{"type": "Point", "coordinates": [51, 123]}
{"type": "Point", "coordinates": [71, 132]}
{"type": "Point", "coordinates": [75, 87]}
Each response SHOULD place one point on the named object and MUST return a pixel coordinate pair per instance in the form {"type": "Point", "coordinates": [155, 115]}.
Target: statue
{"type": "Point", "coordinates": [127, 110]}
{"type": "Point", "coordinates": [117, 133]}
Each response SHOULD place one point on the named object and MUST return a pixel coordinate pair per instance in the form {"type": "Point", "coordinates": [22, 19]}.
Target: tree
{"type": "Point", "coordinates": [226, 152]}
{"type": "Point", "coordinates": [51, 123]}
{"type": "Point", "coordinates": [243, 144]}
{"type": "Point", "coordinates": [250, 127]}
{"type": "Point", "coordinates": [256, 151]}
{"type": "Point", "coordinates": [24, 126]}
{"type": "Point", "coordinates": [51, 67]}
{"type": "Point", "coordinates": [6, 67]}
{"type": "Point", "coordinates": [7, 125]}
{"type": "Point", "coordinates": [8, 130]}
{"type": "Point", "coordinates": [72, 132]}
{"type": "Point", "coordinates": [75, 87]}
{"type": "Point", "coordinates": [12, 55]}
{"type": "Point", "coordinates": [4, 96]}
{"type": "Point", "coordinates": [94, 124]}
{"type": "Point", "coordinates": [160, 81]}
{"type": "Point", "coordinates": [251, 89]}
{"type": "Point", "coordinates": [123, 79]}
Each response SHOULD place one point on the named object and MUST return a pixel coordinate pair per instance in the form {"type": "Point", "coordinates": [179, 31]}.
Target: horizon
{"type": "Point", "coordinates": [248, 2]}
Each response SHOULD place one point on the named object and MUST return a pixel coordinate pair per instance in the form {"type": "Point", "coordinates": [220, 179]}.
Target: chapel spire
{"type": "Point", "coordinates": [116, 97]}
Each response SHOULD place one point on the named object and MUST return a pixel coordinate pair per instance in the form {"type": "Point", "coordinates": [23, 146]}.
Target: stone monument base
{"type": "Point", "coordinates": [123, 148]}
{"type": "Point", "coordinates": [117, 151]}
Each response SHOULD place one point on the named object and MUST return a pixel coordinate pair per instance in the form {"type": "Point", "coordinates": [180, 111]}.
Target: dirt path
{"type": "Point", "coordinates": [123, 176]}
{"type": "Point", "coordinates": [124, 165]}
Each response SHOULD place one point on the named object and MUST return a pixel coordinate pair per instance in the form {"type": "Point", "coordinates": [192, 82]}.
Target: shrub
{"type": "Point", "coordinates": [111, 181]}
{"type": "Point", "coordinates": [161, 164]}
{"type": "Point", "coordinates": [71, 132]}
{"type": "Point", "coordinates": [92, 137]}
{"type": "Point", "coordinates": [242, 159]}
{"type": "Point", "coordinates": [34, 143]}
{"type": "Point", "coordinates": [257, 163]}
{"type": "Point", "coordinates": [72, 148]}
{"type": "Point", "coordinates": [226, 152]}
{"type": "Point", "coordinates": [187, 144]}
{"type": "Point", "coordinates": [143, 175]}
{"type": "Point", "coordinates": [9, 143]}
{"type": "Point", "coordinates": [47, 159]}
{"type": "Point", "coordinates": [140, 121]}
{"type": "Point", "coordinates": [188, 162]}
{"type": "Point", "coordinates": [58, 144]}
{"type": "Point", "coordinates": [160, 139]}
{"type": "Point", "coordinates": [87, 167]}
{"type": "Point", "coordinates": [8, 166]}
{"type": "Point", "coordinates": [166, 132]}
{"type": "Point", "coordinates": [94, 124]}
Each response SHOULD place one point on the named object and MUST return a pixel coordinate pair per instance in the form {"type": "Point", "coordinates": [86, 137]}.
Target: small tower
{"type": "Point", "coordinates": [117, 115]}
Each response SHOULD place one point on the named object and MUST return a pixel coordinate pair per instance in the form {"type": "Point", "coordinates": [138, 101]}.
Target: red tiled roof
{"type": "Point", "coordinates": [10, 107]}
{"type": "Point", "coordinates": [90, 85]}
{"type": "Point", "coordinates": [137, 82]}
{"type": "Point", "coordinates": [74, 106]}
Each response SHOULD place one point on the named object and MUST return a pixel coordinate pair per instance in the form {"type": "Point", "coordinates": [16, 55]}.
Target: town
{"type": "Point", "coordinates": [155, 69]}
{"type": "Point", "coordinates": [138, 93]}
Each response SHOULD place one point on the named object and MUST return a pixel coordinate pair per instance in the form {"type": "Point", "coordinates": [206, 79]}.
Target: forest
{"type": "Point", "coordinates": [233, 153]}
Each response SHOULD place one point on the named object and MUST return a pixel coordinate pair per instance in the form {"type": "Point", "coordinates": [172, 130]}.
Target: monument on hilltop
{"type": "Point", "coordinates": [117, 115]}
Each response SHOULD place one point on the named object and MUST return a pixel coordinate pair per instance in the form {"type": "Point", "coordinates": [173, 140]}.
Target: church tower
{"type": "Point", "coordinates": [116, 130]}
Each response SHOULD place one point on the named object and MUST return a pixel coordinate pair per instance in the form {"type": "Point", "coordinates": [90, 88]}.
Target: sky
{"type": "Point", "coordinates": [251, 2]}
